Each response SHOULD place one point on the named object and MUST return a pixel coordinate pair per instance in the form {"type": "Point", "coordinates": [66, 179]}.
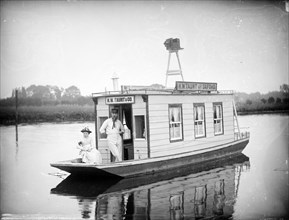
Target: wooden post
{"type": "Point", "coordinates": [174, 72]}
{"type": "Point", "coordinates": [16, 113]}
{"type": "Point", "coordinates": [146, 100]}
{"type": "Point", "coordinates": [168, 68]}
{"type": "Point", "coordinates": [181, 72]}
{"type": "Point", "coordinates": [95, 124]}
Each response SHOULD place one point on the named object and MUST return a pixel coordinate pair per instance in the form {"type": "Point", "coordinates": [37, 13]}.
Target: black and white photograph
{"type": "Point", "coordinates": [154, 110]}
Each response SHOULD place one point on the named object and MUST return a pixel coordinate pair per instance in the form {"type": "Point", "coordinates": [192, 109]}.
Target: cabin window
{"type": "Point", "coordinates": [199, 117]}
{"type": "Point", "coordinates": [175, 120]}
{"type": "Point", "coordinates": [139, 126]}
{"type": "Point", "coordinates": [218, 118]}
{"type": "Point", "coordinates": [101, 120]}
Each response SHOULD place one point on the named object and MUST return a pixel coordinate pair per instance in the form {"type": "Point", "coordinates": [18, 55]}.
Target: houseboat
{"type": "Point", "coordinates": [165, 129]}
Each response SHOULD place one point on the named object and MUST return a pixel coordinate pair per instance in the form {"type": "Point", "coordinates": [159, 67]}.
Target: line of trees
{"type": "Point", "coordinates": [38, 95]}
{"type": "Point", "coordinates": [52, 104]}
{"type": "Point", "coordinates": [271, 101]}
{"type": "Point", "coordinates": [53, 95]}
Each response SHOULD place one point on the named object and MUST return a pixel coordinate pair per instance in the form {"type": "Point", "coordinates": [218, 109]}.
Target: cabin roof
{"type": "Point", "coordinates": [160, 92]}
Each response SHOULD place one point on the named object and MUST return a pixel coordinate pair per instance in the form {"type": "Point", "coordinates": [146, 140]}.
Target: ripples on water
{"type": "Point", "coordinates": [231, 188]}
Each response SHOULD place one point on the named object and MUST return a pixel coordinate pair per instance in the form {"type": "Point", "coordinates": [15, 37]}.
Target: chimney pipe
{"type": "Point", "coordinates": [115, 82]}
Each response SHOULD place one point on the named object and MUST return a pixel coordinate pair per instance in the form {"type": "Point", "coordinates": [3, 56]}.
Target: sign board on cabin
{"type": "Point", "coordinates": [119, 100]}
{"type": "Point", "coordinates": [195, 86]}
{"type": "Point", "coordinates": [132, 87]}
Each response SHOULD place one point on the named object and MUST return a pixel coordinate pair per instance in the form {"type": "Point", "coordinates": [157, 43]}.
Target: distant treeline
{"type": "Point", "coordinates": [46, 104]}
{"type": "Point", "coordinates": [51, 104]}
{"type": "Point", "coordinates": [276, 101]}
{"type": "Point", "coordinates": [46, 95]}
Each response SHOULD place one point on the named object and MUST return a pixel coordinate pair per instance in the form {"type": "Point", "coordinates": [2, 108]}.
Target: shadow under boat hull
{"type": "Point", "coordinates": [151, 165]}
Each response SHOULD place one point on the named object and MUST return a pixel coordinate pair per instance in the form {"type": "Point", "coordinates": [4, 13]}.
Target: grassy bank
{"type": "Point", "coordinates": [261, 108]}
{"type": "Point", "coordinates": [58, 113]}
{"type": "Point", "coordinates": [264, 112]}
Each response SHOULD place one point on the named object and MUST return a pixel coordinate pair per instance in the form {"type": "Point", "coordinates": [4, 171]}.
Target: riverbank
{"type": "Point", "coordinates": [260, 112]}
{"type": "Point", "coordinates": [39, 114]}
{"type": "Point", "coordinates": [74, 113]}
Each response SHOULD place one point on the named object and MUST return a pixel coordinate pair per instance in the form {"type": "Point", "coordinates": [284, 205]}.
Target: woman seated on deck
{"type": "Point", "coordinates": [88, 152]}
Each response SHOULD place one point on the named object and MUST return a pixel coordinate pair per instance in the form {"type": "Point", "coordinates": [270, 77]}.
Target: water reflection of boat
{"type": "Point", "coordinates": [205, 190]}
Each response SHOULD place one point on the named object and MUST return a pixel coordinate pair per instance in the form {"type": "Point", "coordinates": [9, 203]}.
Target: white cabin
{"type": "Point", "coordinates": [164, 122]}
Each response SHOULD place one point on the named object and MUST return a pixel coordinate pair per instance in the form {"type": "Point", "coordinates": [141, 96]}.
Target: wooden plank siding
{"type": "Point", "coordinates": [160, 144]}
{"type": "Point", "coordinates": [140, 144]}
{"type": "Point", "coordinates": [102, 111]}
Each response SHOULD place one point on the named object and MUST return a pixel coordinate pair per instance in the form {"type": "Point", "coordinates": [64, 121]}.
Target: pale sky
{"type": "Point", "coordinates": [241, 45]}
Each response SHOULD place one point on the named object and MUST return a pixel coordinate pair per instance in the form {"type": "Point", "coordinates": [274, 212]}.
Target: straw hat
{"type": "Point", "coordinates": [86, 129]}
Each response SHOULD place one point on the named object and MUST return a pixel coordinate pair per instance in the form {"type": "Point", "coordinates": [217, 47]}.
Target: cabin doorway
{"type": "Point", "coordinates": [125, 116]}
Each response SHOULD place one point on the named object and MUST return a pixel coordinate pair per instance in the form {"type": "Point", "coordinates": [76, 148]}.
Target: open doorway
{"type": "Point", "coordinates": [125, 116]}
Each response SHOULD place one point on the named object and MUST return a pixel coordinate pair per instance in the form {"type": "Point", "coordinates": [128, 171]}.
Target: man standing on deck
{"type": "Point", "coordinates": [114, 129]}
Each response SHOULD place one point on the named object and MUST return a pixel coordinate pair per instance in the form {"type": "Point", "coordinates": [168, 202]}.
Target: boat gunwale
{"type": "Point", "coordinates": [127, 163]}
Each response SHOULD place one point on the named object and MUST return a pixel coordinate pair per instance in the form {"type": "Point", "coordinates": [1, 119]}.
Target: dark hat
{"type": "Point", "coordinates": [114, 110]}
{"type": "Point", "coordinates": [86, 129]}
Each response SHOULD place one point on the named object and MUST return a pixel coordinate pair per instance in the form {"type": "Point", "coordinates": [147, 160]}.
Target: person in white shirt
{"type": "Point", "coordinates": [114, 129]}
{"type": "Point", "coordinates": [88, 152]}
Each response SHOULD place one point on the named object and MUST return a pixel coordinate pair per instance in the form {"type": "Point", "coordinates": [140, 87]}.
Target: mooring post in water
{"type": "Point", "coordinates": [16, 114]}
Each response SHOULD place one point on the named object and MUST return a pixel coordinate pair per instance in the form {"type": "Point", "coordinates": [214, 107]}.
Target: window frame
{"type": "Point", "coordinates": [100, 124]}
{"type": "Point", "coordinates": [222, 118]}
{"type": "Point", "coordinates": [181, 122]}
{"type": "Point", "coordinates": [145, 132]}
{"type": "Point", "coordinates": [204, 120]}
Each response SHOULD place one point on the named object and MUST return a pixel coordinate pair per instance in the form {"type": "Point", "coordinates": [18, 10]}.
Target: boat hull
{"type": "Point", "coordinates": [75, 186]}
{"type": "Point", "coordinates": [152, 165]}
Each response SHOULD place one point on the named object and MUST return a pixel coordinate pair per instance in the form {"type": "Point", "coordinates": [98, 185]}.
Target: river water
{"type": "Point", "coordinates": [253, 185]}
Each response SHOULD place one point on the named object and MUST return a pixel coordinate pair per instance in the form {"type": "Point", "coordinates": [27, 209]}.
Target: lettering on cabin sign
{"type": "Point", "coordinates": [195, 86]}
{"type": "Point", "coordinates": [119, 100]}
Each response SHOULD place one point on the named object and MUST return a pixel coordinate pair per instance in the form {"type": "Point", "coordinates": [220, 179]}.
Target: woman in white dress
{"type": "Point", "coordinates": [88, 152]}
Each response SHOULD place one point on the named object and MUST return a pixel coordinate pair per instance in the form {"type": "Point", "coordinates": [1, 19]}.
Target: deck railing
{"type": "Point", "coordinates": [241, 135]}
